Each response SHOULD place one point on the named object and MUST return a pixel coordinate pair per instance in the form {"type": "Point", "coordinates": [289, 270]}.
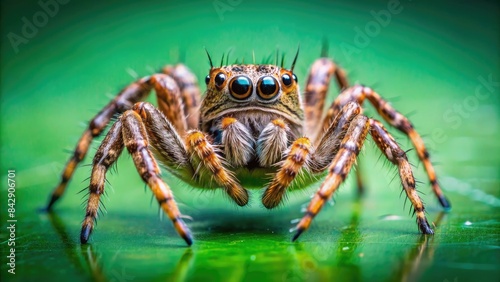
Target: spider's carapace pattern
{"type": "Point", "coordinates": [252, 122]}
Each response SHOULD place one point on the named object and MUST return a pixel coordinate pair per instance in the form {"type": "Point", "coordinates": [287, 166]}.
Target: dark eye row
{"type": "Point", "coordinates": [241, 86]}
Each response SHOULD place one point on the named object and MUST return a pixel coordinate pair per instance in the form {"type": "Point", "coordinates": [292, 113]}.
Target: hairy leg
{"type": "Point", "coordinates": [175, 101]}
{"type": "Point", "coordinates": [123, 101]}
{"type": "Point", "coordinates": [338, 170]}
{"type": "Point", "coordinates": [135, 139]}
{"type": "Point", "coordinates": [393, 152]}
{"type": "Point", "coordinates": [165, 141]}
{"type": "Point", "coordinates": [359, 93]}
{"type": "Point", "coordinates": [317, 86]}
{"type": "Point", "coordinates": [190, 92]}
{"type": "Point", "coordinates": [169, 99]}
{"type": "Point", "coordinates": [107, 154]}
{"type": "Point", "coordinates": [301, 155]}
{"type": "Point", "coordinates": [316, 89]}
{"type": "Point", "coordinates": [203, 156]}
{"type": "Point", "coordinates": [296, 160]}
{"type": "Point", "coordinates": [329, 142]}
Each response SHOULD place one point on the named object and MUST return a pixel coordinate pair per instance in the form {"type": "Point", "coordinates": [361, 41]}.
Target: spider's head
{"type": "Point", "coordinates": [266, 88]}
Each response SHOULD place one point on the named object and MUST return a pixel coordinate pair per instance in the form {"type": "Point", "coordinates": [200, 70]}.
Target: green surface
{"type": "Point", "coordinates": [429, 61]}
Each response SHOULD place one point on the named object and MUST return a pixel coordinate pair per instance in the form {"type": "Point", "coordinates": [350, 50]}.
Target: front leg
{"type": "Point", "coordinates": [271, 147]}
{"type": "Point", "coordinates": [301, 154]}
{"type": "Point", "coordinates": [345, 158]}
{"type": "Point", "coordinates": [136, 140]}
{"type": "Point", "coordinates": [296, 160]}
{"type": "Point", "coordinates": [107, 154]}
{"type": "Point", "coordinates": [203, 154]}
{"type": "Point", "coordinates": [190, 157]}
{"type": "Point", "coordinates": [122, 102]}
{"type": "Point", "coordinates": [170, 98]}
{"type": "Point", "coordinates": [129, 130]}
{"type": "Point", "coordinates": [338, 170]}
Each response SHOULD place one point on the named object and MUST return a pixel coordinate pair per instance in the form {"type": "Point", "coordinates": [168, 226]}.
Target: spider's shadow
{"type": "Point", "coordinates": [223, 216]}
{"type": "Point", "coordinates": [241, 221]}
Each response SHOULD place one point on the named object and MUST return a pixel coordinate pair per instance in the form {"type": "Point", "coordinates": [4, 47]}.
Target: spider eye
{"type": "Point", "coordinates": [240, 87]}
{"type": "Point", "coordinates": [220, 78]}
{"type": "Point", "coordinates": [207, 79]}
{"type": "Point", "coordinates": [294, 77]}
{"type": "Point", "coordinates": [267, 87]}
{"type": "Point", "coordinates": [287, 80]}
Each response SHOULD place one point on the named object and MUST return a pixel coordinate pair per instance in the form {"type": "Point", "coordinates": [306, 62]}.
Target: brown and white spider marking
{"type": "Point", "coordinates": [251, 123]}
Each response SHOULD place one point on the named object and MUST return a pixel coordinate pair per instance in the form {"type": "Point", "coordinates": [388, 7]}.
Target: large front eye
{"type": "Point", "coordinates": [267, 87]}
{"type": "Point", "coordinates": [240, 87]}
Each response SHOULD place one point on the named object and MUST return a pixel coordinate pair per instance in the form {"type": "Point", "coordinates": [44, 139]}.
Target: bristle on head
{"type": "Point", "coordinates": [209, 59]}
{"type": "Point", "coordinates": [295, 59]}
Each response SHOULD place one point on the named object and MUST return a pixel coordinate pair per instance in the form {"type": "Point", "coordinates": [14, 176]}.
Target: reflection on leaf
{"type": "Point", "coordinates": [326, 259]}
{"type": "Point", "coordinates": [419, 257]}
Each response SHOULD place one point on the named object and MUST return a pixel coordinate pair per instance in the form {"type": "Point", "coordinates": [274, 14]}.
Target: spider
{"type": "Point", "coordinates": [252, 122]}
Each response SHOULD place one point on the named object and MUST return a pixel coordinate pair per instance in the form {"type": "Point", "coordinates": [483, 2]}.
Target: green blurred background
{"type": "Point", "coordinates": [436, 62]}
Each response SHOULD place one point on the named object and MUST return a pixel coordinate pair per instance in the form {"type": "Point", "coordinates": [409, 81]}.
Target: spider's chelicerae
{"type": "Point", "coordinates": [252, 122]}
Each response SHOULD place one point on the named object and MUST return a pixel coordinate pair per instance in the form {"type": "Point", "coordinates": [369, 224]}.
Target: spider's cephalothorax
{"type": "Point", "coordinates": [251, 123]}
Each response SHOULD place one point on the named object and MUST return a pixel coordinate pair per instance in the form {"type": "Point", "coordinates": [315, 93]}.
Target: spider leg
{"type": "Point", "coordinates": [393, 152]}
{"type": "Point", "coordinates": [136, 141]}
{"type": "Point", "coordinates": [131, 132]}
{"type": "Point", "coordinates": [271, 144]}
{"type": "Point", "coordinates": [190, 92]}
{"type": "Point", "coordinates": [345, 158]}
{"type": "Point", "coordinates": [109, 151]}
{"type": "Point", "coordinates": [170, 101]}
{"type": "Point", "coordinates": [123, 101]}
{"type": "Point", "coordinates": [360, 93]}
{"type": "Point", "coordinates": [170, 98]}
{"type": "Point", "coordinates": [165, 142]}
{"type": "Point", "coordinates": [338, 170]}
{"type": "Point", "coordinates": [400, 122]}
{"type": "Point", "coordinates": [330, 118]}
{"type": "Point", "coordinates": [330, 142]}
{"type": "Point", "coordinates": [301, 154]}
{"type": "Point", "coordinates": [182, 156]}
{"type": "Point", "coordinates": [294, 162]}
{"type": "Point", "coordinates": [317, 86]}
{"type": "Point", "coordinates": [203, 153]}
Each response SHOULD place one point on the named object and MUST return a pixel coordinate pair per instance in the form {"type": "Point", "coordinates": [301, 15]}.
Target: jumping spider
{"type": "Point", "coordinates": [251, 123]}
